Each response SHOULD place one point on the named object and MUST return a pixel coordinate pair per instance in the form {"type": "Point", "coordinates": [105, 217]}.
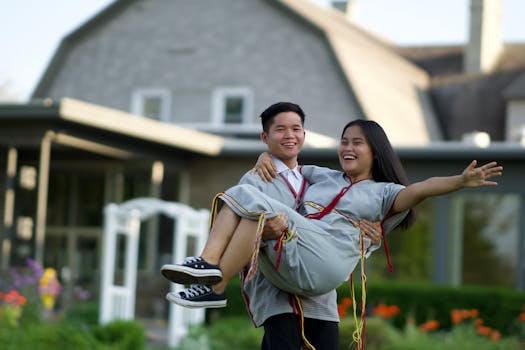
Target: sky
{"type": "Point", "coordinates": [31, 30]}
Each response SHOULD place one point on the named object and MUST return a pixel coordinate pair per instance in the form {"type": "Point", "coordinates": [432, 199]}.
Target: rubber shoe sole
{"type": "Point", "coordinates": [186, 275]}
{"type": "Point", "coordinates": [174, 298]}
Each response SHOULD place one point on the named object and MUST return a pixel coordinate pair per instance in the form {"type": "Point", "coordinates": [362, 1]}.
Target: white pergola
{"type": "Point", "coordinates": [117, 300]}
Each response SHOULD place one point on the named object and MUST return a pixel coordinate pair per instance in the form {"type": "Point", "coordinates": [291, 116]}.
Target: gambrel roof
{"type": "Point", "coordinates": [101, 130]}
{"type": "Point", "coordinates": [388, 88]}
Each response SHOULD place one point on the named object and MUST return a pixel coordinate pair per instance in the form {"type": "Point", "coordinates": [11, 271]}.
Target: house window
{"type": "Point", "coordinates": [233, 110]}
{"type": "Point", "coordinates": [488, 246]}
{"type": "Point", "coordinates": [232, 106]}
{"type": "Point", "coordinates": [339, 4]}
{"type": "Point", "coordinates": [152, 103]}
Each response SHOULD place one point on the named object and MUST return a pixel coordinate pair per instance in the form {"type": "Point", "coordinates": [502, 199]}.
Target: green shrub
{"type": "Point", "coordinates": [498, 307]}
{"type": "Point", "coordinates": [121, 335]}
{"type": "Point", "coordinates": [47, 336]}
{"type": "Point", "coordinates": [31, 313]}
{"type": "Point", "coordinates": [236, 333]}
{"type": "Point", "coordinates": [236, 305]}
{"type": "Point", "coordinates": [381, 335]}
{"type": "Point", "coordinates": [462, 337]}
{"type": "Point", "coordinates": [378, 332]}
{"type": "Point", "coordinates": [82, 314]}
{"type": "Point", "coordinates": [227, 333]}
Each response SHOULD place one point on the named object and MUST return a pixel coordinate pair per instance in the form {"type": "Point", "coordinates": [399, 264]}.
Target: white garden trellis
{"type": "Point", "coordinates": [117, 300]}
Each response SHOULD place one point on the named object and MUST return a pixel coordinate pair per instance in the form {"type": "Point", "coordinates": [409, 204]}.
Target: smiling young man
{"type": "Point", "coordinates": [268, 306]}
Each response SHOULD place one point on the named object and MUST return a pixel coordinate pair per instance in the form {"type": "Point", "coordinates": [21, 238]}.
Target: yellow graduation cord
{"type": "Point", "coordinates": [359, 333]}
{"type": "Point", "coordinates": [307, 344]}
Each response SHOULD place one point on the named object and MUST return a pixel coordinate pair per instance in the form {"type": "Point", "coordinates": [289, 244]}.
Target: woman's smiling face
{"type": "Point", "coordinates": [355, 154]}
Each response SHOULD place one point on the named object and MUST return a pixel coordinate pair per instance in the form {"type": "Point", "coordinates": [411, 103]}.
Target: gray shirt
{"type": "Point", "coordinates": [262, 298]}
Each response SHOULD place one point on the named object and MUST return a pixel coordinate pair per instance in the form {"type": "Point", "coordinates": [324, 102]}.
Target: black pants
{"type": "Point", "coordinates": [283, 332]}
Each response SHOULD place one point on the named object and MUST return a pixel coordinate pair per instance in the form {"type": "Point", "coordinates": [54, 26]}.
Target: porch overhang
{"type": "Point", "coordinates": [104, 131]}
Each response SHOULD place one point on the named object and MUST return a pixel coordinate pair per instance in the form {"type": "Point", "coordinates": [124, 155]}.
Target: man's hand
{"type": "Point", "coordinates": [372, 230]}
{"type": "Point", "coordinates": [274, 227]}
{"type": "Point", "coordinates": [265, 167]}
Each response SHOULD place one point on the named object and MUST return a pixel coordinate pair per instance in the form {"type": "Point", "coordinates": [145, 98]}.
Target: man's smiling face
{"type": "Point", "coordinates": [285, 137]}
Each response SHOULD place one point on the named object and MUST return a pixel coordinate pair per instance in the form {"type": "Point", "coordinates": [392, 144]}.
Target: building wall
{"type": "Point", "coordinates": [515, 126]}
{"type": "Point", "coordinates": [211, 176]}
{"type": "Point", "coordinates": [473, 104]}
{"type": "Point", "coordinates": [194, 47]}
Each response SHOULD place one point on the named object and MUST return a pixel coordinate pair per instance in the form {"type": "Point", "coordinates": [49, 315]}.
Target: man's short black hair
{"type": "Point", "coordinates": [269, 113]}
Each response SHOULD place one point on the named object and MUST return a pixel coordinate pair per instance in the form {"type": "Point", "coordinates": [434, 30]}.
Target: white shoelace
{"type": "Point", "coordinates": [195, 291]}
{"type": "Point", "coordinates": [192, 259]}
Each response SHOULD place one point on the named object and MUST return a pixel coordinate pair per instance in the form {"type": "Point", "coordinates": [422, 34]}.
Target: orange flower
{"type": "Point", "coordinates": [346, 302]}
{"type": "Point", "coordinates": [341, 310]}
{"type": "Point", "coordinates": [343, 306]}
{"type": "Point", "coordinates": [483, 330]}
{"type": "Point", "coordinates": [459, 315]}
{"type": "Point", "coordinates": [522, 317]}
{"type": "Point", "coordinates": [378, 310]}
{"type": "Point", "coordinates": [386, 311]}
{"type": "Point", "coordinates": [495, 336]}
{"type": "Point", "coordinates": [14, 298]}
{"type": "Point", "coordinates": [394, 310]}
{"type": "Point", "coordinates": [429, 326]}
{"type": "Point", "coordinates": [456, 316]}
{"type": "Point", "coordinates": [478, 322]}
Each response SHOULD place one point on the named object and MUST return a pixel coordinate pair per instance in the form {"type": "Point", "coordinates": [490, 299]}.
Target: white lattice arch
{"type": "Point", "coordinates": [117, 301]}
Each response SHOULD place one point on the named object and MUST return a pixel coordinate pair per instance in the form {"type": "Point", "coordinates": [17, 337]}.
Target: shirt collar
{"type": "Point", "coordinates": [281, 167]}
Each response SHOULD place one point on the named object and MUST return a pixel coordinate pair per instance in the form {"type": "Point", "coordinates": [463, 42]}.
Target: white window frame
{"type": "Point", "coordinates": [139, 95]}
{"type": "Point", "coordinates": [219, 97]}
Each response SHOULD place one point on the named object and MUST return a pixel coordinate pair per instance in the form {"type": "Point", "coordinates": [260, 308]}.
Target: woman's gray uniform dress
{"type": "Point", "coordinates": [323, 253]}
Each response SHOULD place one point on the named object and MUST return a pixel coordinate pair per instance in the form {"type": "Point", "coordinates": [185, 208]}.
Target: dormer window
{"type": "Point", "coordinates": [233, 109]}
{"type": "Point", "coordinates": [232, 106]}
{"type": "Point", "coordinates": [152, 103]}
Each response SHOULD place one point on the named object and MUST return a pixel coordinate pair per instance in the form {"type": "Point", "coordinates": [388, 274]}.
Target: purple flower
{"type": "Point", "coordinates": [17, 279]}
{"type": "Point", "coordinates": [37, 269]}
{"type": "Point", "coordinates": [82, 294]}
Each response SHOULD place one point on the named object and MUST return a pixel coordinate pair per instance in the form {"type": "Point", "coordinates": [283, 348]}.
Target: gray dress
{"type": "Point", "coordinates": [323, 253]}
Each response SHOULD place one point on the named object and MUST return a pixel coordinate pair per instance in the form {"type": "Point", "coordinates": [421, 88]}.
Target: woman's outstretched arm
{"type": "Point", "coordinates": [471, 177]}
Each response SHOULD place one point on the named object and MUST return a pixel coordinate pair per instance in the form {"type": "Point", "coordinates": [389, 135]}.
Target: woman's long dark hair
{"type": "Point", "coordinates": [387, 166]}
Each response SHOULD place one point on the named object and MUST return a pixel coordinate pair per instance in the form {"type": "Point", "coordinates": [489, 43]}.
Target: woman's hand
{"type": "Point", "coordinates": [372, 230]}
{"type": "Point", "coordinates": [265, 167]}
{"type": "Point", "coordinates": [476, 177]}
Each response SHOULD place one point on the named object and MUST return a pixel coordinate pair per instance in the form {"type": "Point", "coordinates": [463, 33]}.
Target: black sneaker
{"type": "Point", "coordinates": [196, 296]}
{"type": "Point", "coordinates": [194, 270]}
